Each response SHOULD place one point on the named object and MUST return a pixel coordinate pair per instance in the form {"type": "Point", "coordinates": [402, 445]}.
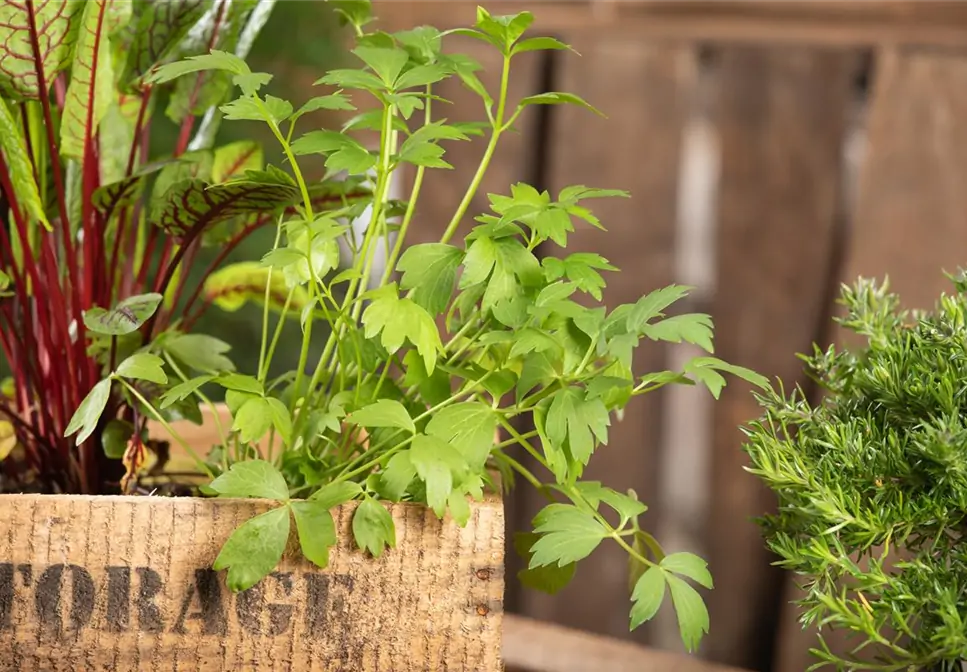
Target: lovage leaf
{"type": "Point", "coordinates": [19, 166]}
{"type": "Point", "coordinates": [182, 391]}
{"type": "Point", "coordinates": [114, 438]}
{"type": "Point", "coordinates": [567, 534]}
{"type": "Point", "coordinates": [216, 60]}
{"type": "Point", "coordinates": [200, 352]}
{"type": "Point", "coordinates": [86, 417]}
{"type": "Point", "coordinates": [373, 527]}
{"type": "Point", "coordinates": [383, 413]}
{"type": "Point", "coordinates": [192, 205]}
{"type": "Point", "coordinates": [651, 306]}
{"type": "Point", "coordinates": [143, 366]}
{"type": "Point", "coordinates": [397, 476]}
{"type": "Point", "coordinates": [469, 427]}
{"type": "Point", "coordinates": [575, 421]}
{"type": "Point", "coordinates": [335, 494]}
{"type": "Point", "coordinates": [91, 87]}
{"type": "Point", "coordinates": [647, 596]}
{"type": "Point", "coordinates": [691, 612]}
{"type": "Point", "coordinates": [56, 25]}
{"type": "Point", "coordinates": [690, 565]}
{"type": "Point", "coordinates": [694, 328]}
{"type": "Point", "coordinates": [706, 370]}
{"type": "Point", "coordinates": [398, 320]}
{"type": "Point", "coordinates": [317, 531]}
{"type": "Point", "coordinates": [253, 419]}
{"type": "Point", "coordinates": [557, 98]}
{"type": "Point", "coordinates": [438, 465]}
{"type": "Point", "coordinates": [342, 151]}
{"type": "Point", "coordinates": [254, 549]}
{"type": "Point", "coordinates": [160, 27]}
{"type": "Point", "coordinates": [252, 478]}
{"type": "Point", "coordinates": [430, 270]}
{"type": "Point", "coordinates": [125, 318]}
{"type": "Point", "coordinates": [551, 578]}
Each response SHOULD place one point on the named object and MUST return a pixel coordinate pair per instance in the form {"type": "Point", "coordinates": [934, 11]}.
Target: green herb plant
{"type": "Point", "coordinates": [872, 484]}
{"type": "Point", "coordinates": [457, 340]}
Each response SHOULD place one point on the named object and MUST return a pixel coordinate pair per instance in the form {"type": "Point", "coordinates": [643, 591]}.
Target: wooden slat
{"type": "Point", "coordinates": [781, 117]}
{"type": "Point", "coordinates": [533, 646]}
{"type": "Point", "coordinates": [829, 23]}
{"type": "Point", "coordinates": [911, 215]}
{"type": "Point", "coordinates": [643, 90]}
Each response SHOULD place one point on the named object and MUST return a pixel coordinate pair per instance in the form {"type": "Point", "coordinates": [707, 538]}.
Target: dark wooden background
{"type": "Point", "coordinates": [773, 150]}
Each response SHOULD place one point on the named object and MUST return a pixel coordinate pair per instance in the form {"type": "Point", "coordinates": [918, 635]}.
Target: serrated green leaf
{"type": "Point", "coordinates": [438, 465]}
{"type": "Point", "coordinates": [342, 152]}
{"type": "Point", "coordinates": [422, 75]}
{"type": "Point", "coordinates": [125, 318]}
{"type": "Point", "coordinates": [182, 391]}
{"type": "Point", "coordinates": [143, 366]}
{"type": "Point", "coordinates": [549, 579]}
{"type": "Point", "coordinates": [386, 63]}
{"type": "Point", "coordinates": [575, 422]}
{"type": "Point", "coordinates": [91, 87]}
{"type": "Point", "coordinates": [738, 371]}
{"type": "Point", "coordinates": [333, 101]}
{"type": "Point", "coordinates": [89, 412]}
{"type": "Point", "coordinates": [383, 413]}
{"type": "Point", "coordinates": [540, 44]}
{"type": "Point", "coordinates": [241, 383]}
{"type": "Point", "coordinates": [115, 437]}
{"type": "Point", "coordinates": [434, 388]}
{"type": "Point", "coordinates": [626, 504]}
{"type": "Point", "coordinates": [651, 306]}
{"type": "Point", "coordinates": [689, 565]}
{"type": "Point", "coordinates": [567, 534]}
{"type": "Point", "coordinates": [558, 98]}
{"type": "Point", "coordinates": [247, 108]}
{"type": "Point", "coordinates": [397, 476]}
{"type": "Point", "coordinates": [281, 420]}
{"type": "Point", "coordinates": [373, 527]}
{"type": "Point", "coordinates": [430, 270]}
{"type": "Point", "coordinates": [398, 320]}
{"type": "Point", "coordinates": [353, 79]}
{"type": "Point", "coordinates": [256, 479]}
{"type": "Point", "coordinates": [216, 60]}
{"type": "Point", "coordinates": [253, 419]}
{"type": "Point", "coordinates": [691, 612]}
{"type": "Point", "coordinates": [20, 168]}
{"type": "Point", "coordinates": [56, 25]}
{"type": "Point", "coordinates": [336, 494]}
{"type": "Point", "coordinates": [200, 352]}
{"type": "Point", "coordinates": [254, 549]}
{"type": "Point", "coordinates": [469, 428]}
{"type": "Point", "coordinates": [694, 328]}
{"type": "Point", "coordinates": [647, 596]}
{"type": "Point", "coordinates": [316, 529]}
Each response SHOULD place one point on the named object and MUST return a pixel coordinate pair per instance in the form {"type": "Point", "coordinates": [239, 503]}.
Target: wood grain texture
{"type": "Point", "coordinates": [122, 583]}
{"type": "Point", "coordinates": [910, 219]}
{"type": "Point", "coordinates": [533, 646]}
{"type": "Point", "coordinates": [851, 23]}
{"type": "Point", "coordinates": [781, 117]}
{"type": "Point", "coordinates": [643, 89]}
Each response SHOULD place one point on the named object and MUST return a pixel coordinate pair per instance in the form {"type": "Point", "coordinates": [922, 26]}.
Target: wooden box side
{"type": "Point", "coordinates": [121, 583]}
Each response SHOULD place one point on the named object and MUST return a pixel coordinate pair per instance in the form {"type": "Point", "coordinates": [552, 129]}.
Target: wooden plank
{"type": "Point", "coordinates": [781, 117]}
{"type": "Point", "coordinates": [910, 220]}
{"type": "Point", "coordinates": [806, 22]}
{"type": "Point", "coordinates": [643, 88]}
{"type": "Point", "coordinates": [533, 646]}
{"type": "Point", "coordinates": [141, 590]}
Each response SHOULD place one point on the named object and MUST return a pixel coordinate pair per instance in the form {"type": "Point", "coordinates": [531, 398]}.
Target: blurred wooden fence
{"type": "Point", "coordinates": [773, 149]}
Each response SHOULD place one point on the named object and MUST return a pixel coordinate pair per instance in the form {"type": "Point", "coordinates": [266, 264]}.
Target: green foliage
{"type": "Point", "coordinates": [872, 484]}
{"type": "Point", "coordinates": [454, 341]}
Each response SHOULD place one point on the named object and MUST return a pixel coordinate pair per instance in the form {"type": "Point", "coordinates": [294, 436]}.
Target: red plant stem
{"type": "Point", "coordinates": [146, 257]}
{"type": "Point", "coordinates": [189, 121]}
{"type": "Point", "coordinates": [162, 263]}
{"type": "Point", "coordinates": [182, 281]}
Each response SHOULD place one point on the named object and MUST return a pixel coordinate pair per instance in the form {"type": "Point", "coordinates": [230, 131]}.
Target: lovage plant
{"type": "Point", "coordinates": [95, 230]}
{"type": "Point", "coordinates": [872, 485]}
{"type": "Point", "coordinates": [455, 341]}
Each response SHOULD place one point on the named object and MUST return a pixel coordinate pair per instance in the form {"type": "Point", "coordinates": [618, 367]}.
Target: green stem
{"type": "Point", "coordinates": [485, 161]}
{"type": "Point", "coordinates": [167, 426]}
{"type": "Point", "coordinates": [265, 308]}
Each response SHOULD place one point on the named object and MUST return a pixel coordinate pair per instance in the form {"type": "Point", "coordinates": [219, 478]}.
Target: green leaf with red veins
{"type": "Point", "coordinates": [234, 160]}
{"type": "Point", "coordinates": [91, 87]}
{"type": "Point", "coordinates": [160, 28]}
{"type": "Point", "coordinates": [55, 23]}
{"type": "Point", "coordinates": [19, 166]}
{"type": "Point", "coordinates": [193, 205]}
